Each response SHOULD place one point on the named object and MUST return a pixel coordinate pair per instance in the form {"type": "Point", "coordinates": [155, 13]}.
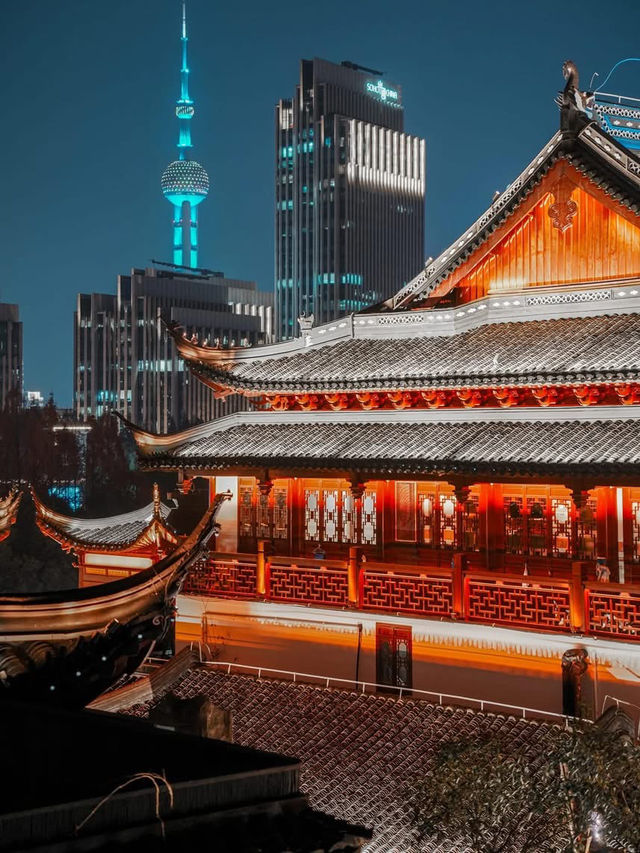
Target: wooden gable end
{"type": "Point", "coordinates": [567, 231]}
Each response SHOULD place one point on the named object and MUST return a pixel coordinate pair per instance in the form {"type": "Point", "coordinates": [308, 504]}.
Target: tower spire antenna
{"type": "Point", "coordinates": [185, 182]}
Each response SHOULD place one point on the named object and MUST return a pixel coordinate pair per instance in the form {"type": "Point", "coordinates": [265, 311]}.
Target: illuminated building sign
{"type": "Point", "coordinates": [383, 93]}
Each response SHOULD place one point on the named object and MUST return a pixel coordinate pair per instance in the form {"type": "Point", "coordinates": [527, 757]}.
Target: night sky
{"type": "Point", "coordinates": [89, 88]}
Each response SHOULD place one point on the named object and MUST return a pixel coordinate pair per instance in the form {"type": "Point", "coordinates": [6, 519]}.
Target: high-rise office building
{"type": "Point", "coordinates": [350, 188]}
{"type": "Point", "coordinates": [126, 361]}
{"type": "Point", "coordinates": [11, 373]}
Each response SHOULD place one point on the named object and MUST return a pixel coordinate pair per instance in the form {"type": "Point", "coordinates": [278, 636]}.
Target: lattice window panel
{"type": "Point", "coordinates": [263, 517]}
{"type": "Point", "coordinates": [471, 524]}
{"type": "Point", "coordinates": [245, 510]}
{"type": "Point", "coordinates": [369, 521]}
{"type": "Point", "coordinates": [635, 530]}
{"type": "Point", "coordinates": [280, 513]}
{"type": "Point", "coordinates": [448, 522]}
{"type": "Point", "coordinates": [514, 522]}
{"type": "Point", "coordinates": [587, 544]}
{"type": "Point", "coordinates": [312, 515]}
{"type": "Point", "coordinates": [405, 507]}
{"type": "Point", "coordinates": [427, 512]}
{"type": "Point", "coordinates": [537, 526]}
{"type": "Point", "coordinates": [330, 526]}
{"type": "Point", "coordinates": [561, 538]}
{"type": "Point", "coordinates": [349, 524]}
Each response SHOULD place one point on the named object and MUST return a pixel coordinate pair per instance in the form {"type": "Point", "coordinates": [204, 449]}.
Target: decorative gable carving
{"type": "Point", "coordinates": [567, 231]}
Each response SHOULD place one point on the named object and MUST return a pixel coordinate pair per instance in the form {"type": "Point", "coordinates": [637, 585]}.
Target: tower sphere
{"type": "Point", "coordinates": [185, 180]}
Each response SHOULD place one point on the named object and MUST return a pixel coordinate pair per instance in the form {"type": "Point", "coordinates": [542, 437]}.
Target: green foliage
{"type": "Point", "coordinates": [582, 793]}
{"type": "Point", "coordinates": [110, 484]}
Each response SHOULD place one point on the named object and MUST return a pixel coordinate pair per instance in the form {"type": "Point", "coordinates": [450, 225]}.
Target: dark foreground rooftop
{"type": "Point", "coordinates": [358, 751]}
{"type": "Point", "coordinates": [72, 786]}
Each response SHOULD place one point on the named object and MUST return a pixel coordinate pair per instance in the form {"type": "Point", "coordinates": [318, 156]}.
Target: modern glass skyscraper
{"type": "Point", "coordinates": [350, 189]}
{"type": "Point", "coordinates": [11, 375]}
{"type": "Point", "coordinates": [125, 360]}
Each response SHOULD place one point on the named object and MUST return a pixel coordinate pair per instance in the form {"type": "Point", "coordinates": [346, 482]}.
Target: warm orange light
{"type": "Point", "coordinates": [117, 561]}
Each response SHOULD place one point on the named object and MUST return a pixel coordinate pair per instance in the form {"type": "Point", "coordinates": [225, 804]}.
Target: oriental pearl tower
{"type": "Point", "coordinates": [185, 182]}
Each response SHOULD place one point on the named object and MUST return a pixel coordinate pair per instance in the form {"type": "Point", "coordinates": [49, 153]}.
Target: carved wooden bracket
{"type": "Point", "coordinates": [338, 402]}
{"type": "Point", "coordinates": [265, 485]}
{"type": "Point", "coordinates": [507, 397]}
{"type": "Point", "coordinates": [628, 393]}
{"type": "Point", "coordinates": [434, 399]}
{"type": "Point", "coordinates": [401, 399]}
{"type": "Point", "coordinates": [470, 398]}
{"type": "Point", "coordinates": [545, 396]}
{"type": "Point", "coordinates": [308, 402]}
{"type": "Point", "coordinates": [587, 395]}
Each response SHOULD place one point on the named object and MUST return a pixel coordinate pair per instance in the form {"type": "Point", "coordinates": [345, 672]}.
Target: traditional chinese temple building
{"type": "Point", "coordinates": [465, 454]}
{"type": "Point", "coordinates": [111, 547]}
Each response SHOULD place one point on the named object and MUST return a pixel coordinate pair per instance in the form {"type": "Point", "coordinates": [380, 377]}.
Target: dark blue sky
{"type": "Point", "coordinates": [89, 88]}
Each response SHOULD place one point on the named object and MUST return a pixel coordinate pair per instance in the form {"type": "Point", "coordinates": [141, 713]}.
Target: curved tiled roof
{"type": "Point", "coordinates": [536, 352]}
{"type": "Point", "coordinates": [358, 751]}
{"type": "Point", "coordinates": [112, 532]}
{"type": "Point", "coordinates": [489, 446]}
{"type": "Point", "coordinates": [9, 512]}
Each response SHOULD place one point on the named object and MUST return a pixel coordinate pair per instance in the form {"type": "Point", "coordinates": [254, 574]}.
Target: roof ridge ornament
{"type": "Point", "coordinates": [572, 97]}
{"type": "Point", "coordinates": [306, 321]}
{"type": "Point", "coordinates": [156, 501]}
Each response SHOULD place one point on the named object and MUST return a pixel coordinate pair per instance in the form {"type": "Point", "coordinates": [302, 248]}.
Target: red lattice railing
{"type": "Point", "coordinates": [610, 610]}
{"type": "Point", "coordinates": [613, 612]}
{"type": "Point", "coordinates": [515, 602]}
{"type": "Point", "coordinates": [308, 585]}
{"type": "Point", "coordinates": [222, 578]}
{"type": "Point", "coordinates": [424, 594]}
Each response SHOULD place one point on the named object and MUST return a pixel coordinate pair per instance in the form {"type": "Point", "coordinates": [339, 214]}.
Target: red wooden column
{"type": "Point", "coordinates": [296, 498]}
{"type": "Point", "coordinates": [461, 491]}
{"type": "Point", "coordinates": [494, 526]}
{"type": "Point", "coordinates": [607, 528]}
{"type": "Point", "coordinates": [458, 574]}
{"type": "Point", "coordinates": [357, 486]}
{"type": "Point", "coordinates": [577, 595]}
{"type": "Point", "coordinates": [261, 558]}
{"type": "Point", "coordinates": [353, 574]}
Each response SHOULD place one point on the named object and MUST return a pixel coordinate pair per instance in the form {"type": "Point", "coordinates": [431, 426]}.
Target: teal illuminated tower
{"type": "Point", "coordinates": [185, 182]}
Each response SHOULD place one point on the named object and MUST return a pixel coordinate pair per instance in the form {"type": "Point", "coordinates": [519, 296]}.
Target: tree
{"type": "Point", "coordinates": [482, 796]}
{"type": "Point", "coordinates": [110, 485]}
{"type": "Point", "coordinates": [30, 561]}
{"type": "Point", "coordinates": [583, 792]}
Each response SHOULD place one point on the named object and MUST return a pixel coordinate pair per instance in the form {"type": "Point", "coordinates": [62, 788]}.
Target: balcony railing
{"type": "Point", "coordinates": [572, 605]}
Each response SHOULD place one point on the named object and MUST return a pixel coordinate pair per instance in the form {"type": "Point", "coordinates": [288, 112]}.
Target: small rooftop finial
{"type": "Point", "coordinates": [571, 96]}
{"type": "Point", "coordinates": [156, 500]}
{"type": "Point", "coordinates": [306, 322]}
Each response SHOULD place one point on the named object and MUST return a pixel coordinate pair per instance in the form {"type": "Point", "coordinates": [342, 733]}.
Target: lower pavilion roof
{"type": "Point", "coordinates": [139, 528]}
{"type": "Point", "coordinates": [572, 442]}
